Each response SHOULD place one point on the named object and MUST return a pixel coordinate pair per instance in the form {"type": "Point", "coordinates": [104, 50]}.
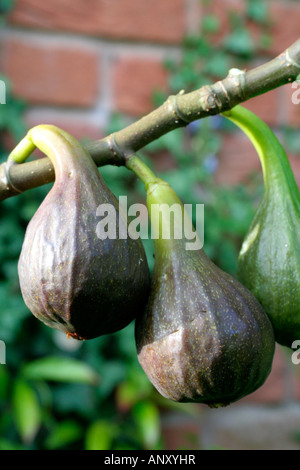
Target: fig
{"type": "Point", "coordinates": [203, 337]}
{"type": "Point", "coordinates": [269, 259]}
{"type": "Point", "coordinates": [71, 279]}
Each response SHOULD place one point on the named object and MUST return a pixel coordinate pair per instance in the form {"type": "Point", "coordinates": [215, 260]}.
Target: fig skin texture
{"type": "Point", "coordinates": [203, 336]}
{"type": "Point", "coordinates": [269, 264]}
{"type": "Point", "coordinates": [269, 259]}
{"type": "Point", "coordinates": [70, 279]}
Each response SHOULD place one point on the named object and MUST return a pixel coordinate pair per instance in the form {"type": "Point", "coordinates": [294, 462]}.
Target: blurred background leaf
{"type": "Point", "coordinates": [147, 419]}
{"type": "Point", "coordinates": [63, 435]}
{"type": "Point", "coordinates": [60, 369]}
{"type": "Point", "coordinates": [100, 435]}
{"type": "Point", "coordinates": [26, 410]}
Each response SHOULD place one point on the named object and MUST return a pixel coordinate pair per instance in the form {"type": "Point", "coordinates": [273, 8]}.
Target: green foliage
{"type": "Point", "coordinates": [63, 435]}
{"type": "Point", "coordinates": [59, 369]}
{"type": "Point", "coordinates": [27, 411]}
{"type": "Point", "coordinates": [100, 435]}
{"type": "Point", "coordinates": [258, 11]}
{"type": "Point", "coordinates": [147, 419]}
{"type": "Point", "coordinates": [5, 8]}
{"type": "Point", "coordinates": [10, 113]}
{"type": "Point", "coordinates": [291, 140]}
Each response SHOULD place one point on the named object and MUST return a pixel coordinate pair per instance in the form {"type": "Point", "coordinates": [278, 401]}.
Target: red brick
{"type": "Point", "coordinates": [76, 126]}
{"type": "Point", "coordinates": [155, 20]}
{"type": "Point", "coordinates": [295, 164]}
{"type": "Point", "coordinates": [44, 74]}
{"type": "Point", "coordinates": [180, 433]}
{"type": "Point", "coordinates": [79, 128]}
{"type": "Point", "coordinates": [285, 25]}
{"type": "Point", "coordinates": [237, 159]}
{"type": "Point", "coordinates": [295, 371]}
{"type": "Point", "coordinates": [222, 9]}
{"type": "Point", "coordinates": [163, 161]}
{"type": "Point", "coordinates": [134, 81]}
{"type": "Point", "coordinates": [266, 106]}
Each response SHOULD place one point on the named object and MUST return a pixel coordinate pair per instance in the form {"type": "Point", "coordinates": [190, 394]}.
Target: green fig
{"type": "Point", "coordinates": [203, 336]}
{"type": "Point", "coordinates": [269, 260]}
{"type": "Point", "coordinates": [71, 279]}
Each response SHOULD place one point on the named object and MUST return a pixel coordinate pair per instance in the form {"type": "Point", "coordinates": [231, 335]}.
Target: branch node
{"type": "Point", "coordinates": [240, 77]}
{"type": "Point", "coordinates": [7, 178]}
{"type": "Point", "coordinates": [214, 98]}
{"type": "Point", "coordinates": [290, 60]}
{"type": "Point", "coordinates": [115, 148]}
{"type": "Point", "coordinates": [175, 109]}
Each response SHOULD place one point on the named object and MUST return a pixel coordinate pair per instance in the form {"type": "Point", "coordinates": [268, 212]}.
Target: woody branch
{"type": "Point", "coordinates": [177, 111]}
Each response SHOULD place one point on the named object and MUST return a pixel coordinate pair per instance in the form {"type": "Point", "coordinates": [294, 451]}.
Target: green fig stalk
{"type": "Point", "coordinates": [269, 260]}
{"type": "Point", "coordinates": [203, 336]}
{"type": "Point", "coordinates": [70, 278]}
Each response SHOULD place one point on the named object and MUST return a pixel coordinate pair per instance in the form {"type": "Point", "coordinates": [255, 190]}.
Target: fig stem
{"type": "Point", "coordinates": [23, 150]}
{"type": "Point", "coordinates": [65, 152]}
{"type": "Point", "coordinates": [142, 171]}
{"type": "Point", "coordinates": [161, 202]}
{"type": "Point", "coordinates": [274, 161]}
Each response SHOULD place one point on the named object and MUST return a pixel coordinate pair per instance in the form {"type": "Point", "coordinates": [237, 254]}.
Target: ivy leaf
{"type": "Point", "coordinates": [217, 65]}
{"type": "Point", "coordinates": [258, 11]}
{"type": "Point", "coordinates": [240, 42]}
{"type": "Point", "coordinates": [211, 24]}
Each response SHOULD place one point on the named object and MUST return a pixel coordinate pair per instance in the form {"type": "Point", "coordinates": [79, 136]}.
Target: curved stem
{"type": "Point", "coordinates": [64, 151]}
{"type": "Point", "coordinates": [274, 161]}
{"type": "Point", "coordinates": [23, 150]}
{"type": "Point", "coordinates": [142, 171]}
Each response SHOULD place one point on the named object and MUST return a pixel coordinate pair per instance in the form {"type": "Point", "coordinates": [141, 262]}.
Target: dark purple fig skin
{"type": "Point", "coordinates": [203, 336]}
{"type": "Point", "coordinates": [70, 279]}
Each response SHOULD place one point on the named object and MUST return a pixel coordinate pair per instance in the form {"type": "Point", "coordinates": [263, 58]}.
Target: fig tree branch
{"type": "Point", "coordinates": [177, 111]}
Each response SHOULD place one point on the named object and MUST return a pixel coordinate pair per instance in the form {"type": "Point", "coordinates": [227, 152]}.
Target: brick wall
{"type": "Point", "coordinates": [78, 61]}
